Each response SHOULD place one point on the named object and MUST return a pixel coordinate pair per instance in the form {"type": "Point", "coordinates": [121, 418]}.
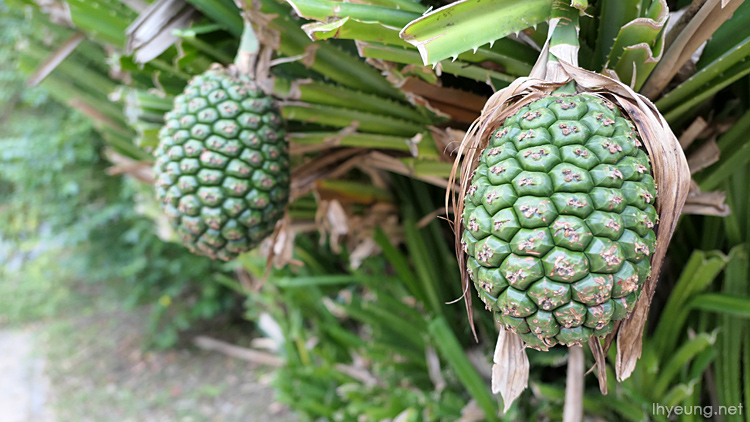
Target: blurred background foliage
{"type": "Point", "coordinates": [64, 222]}
{"type": "Point", "coordinates": [366, 336]}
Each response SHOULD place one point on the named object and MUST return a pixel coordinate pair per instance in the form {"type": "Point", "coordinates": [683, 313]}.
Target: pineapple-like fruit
{"type": "Point", "coordinates": [559, 220]}
{"type": "Point", "coordinates": [222, 165]}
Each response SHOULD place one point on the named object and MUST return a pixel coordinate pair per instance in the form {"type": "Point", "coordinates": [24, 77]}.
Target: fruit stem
{"type": "Point", "coordinates": [563, 36]}
{"type": "Point", "coordinates": [562, 41]}
{"type": "Point", "coordinates": [247, 53]}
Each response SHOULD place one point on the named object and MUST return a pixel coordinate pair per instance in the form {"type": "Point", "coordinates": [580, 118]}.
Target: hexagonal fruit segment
{"type": "Point", "coordinates": [213, 217]}
{"type": "Point", "coordinates": [543, 324]}
{"type": "Point", "coordinates": [503, 171]}
{"type": "Point", "coordinates": [520, 271]}
{"type": "Point", "coordinates": [495, 198]}
{"type": "Point", "coordinates": [193, 225]}
{"type": "Point", "coordinates": [190, 205]}
{"type": "Point", "coordinates": [478, 222]}
{"type": "Point", "coordinates": [491, 251]}
{"type": "Point", "coordinates": [568, 108]}
{"type": "Point", "coordinates": [213, 160]}
{"type": "Point", "coordinates": [599, 123]}
{"type": "Point", "coordinates": [571, 314]}
{"type": "Point", "coordinates": [607, 199]}
{"type": "Point", "coordinates": [607, 176]}
{"type": "Point", "coordinates": [232, 230]}
{"type": "Point", "coordinates": [637, 194]}
{"type": "Point", "coordinates": [571, 233]}
{"type": "Point", "coordinates": [490, 280]}
{"type": "Point", "coordinates": [574, 336]}
{"type": "Point", "coordinates": [569, 132]}
{"type": "Point", "coordinates": [512, 324]}
{"type": "Point", "coordinates": [593, 289]}
{"type": "Point", "coordinates": [605, 256]}
{"type": "Point", "coordinates": [494, 155]}
{"type": "Point", "coordinates": [515, 303]}
{"type": "Point", "coordinates": [569, 178]}
{"type": "Point", "coordinates": [505, 224]}
{"type": "Point", "coordinates": [608, 150]}
{"type": "Point", "coordinates": [210, 196]}
{"type": "Point", "coordinates": [599, 316]}
{"type": "Point", "coordinates": [234, 206]}
{"type": "Point", "coordinates": [541, 158]}
{"type": "Point", "coordinates": [549, 295]}
{"type": "Point", "coordinates": [577, 204]}
{"type": "Point", "coordinates": [532, 184]}
{"type": "Point", "coordinates": [532, 242]}
{"type": "Point", "coordinates": [257, 200]}
{"type": "Point", "coordinates": [605, 224]}
{"type": "Point", "coordinates": [538, 118]}
{"type": "Point", "coordinates": [642, 222]}
{"type": "Point", "coordinates": [210, 177]}
{"type": "Point", "coordinates": [626, 281]}
{"type": "Point", "coordinates": [251, 218]}
{"type": "Point", "coordinates": [634, 247]}
{"type": "Point", "coordinates": [236, 187]}
{"type": "Point", "coordinates": [229, 109]}
{"type": "Point", "coordinates": [533, 212]}
{"type": "Point", "coordinates": [503, 134]}
{"type": "Point", "coordinates": [564, 265]}
{"type": "Point", "coordinates": [532, 138]}
{"type": "Point", "coordinates": [632, 168]}
{"type": "Point", "coordinates": [226, 128]}
{"type": "Point", "coordinates": [579, 156]}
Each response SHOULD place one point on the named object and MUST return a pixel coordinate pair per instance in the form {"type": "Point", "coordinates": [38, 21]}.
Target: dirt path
{"type": "Point", "coordinates": [24, 386]}
{"type": "Point", "coordinates": [92, 368]}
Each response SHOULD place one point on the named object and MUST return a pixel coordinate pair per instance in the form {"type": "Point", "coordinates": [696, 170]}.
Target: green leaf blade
{"type": "Point", "coordinates": [468, 24]}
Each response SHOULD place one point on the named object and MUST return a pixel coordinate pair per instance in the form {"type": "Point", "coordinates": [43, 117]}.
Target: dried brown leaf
{"type": "Point", "coordinates": [600, 364]}
{"type": "Point", "coordinates": [306, 174]}
{"type": "Point", "coordinates": [365, 249]}
{"type": "Point", "coordinates": [121, 164]}
{"type": "Point", "coordinates": [461, 106]}
{"type": "Point", "coordinates": [244, 353]}
{"type": "Point", "coordinates": [510, 372]}
{"type": "Point", "coordinates": [707, 203]}
{"type": "Point", "coordinates": [55, 58]}
{"type": "Point", "coordinates": [386, 162]}
{"type": "Point", "coordinates": [693, 132]}
{"type": "Point", "coordinates": [152, 32]}
{"type": "Point", "coordinates": [708, 153]}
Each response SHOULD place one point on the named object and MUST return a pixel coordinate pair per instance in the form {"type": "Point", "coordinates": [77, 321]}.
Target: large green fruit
{"type": "Point", "coordinates": [559, 220]}
{"type": "Point", "coordinates": [222, 165]}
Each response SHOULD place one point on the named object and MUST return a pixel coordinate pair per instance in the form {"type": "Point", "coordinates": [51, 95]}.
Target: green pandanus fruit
{"type": "Point", "coordinates": [558, 220]}
{"type": "Point", "coordinates": [222, 164]}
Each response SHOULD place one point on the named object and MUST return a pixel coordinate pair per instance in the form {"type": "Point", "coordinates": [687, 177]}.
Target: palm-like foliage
{"type": "Point", "coordinates": [386, 87]}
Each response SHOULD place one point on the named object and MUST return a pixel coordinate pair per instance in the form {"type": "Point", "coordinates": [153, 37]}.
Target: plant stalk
{"type": "Point", "coordinates": [573, 407]}
{"type": "Point", "coordinates": [562, 40]}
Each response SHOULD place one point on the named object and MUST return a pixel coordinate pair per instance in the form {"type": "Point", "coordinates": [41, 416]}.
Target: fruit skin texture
{"type": "Point", "coordinates": [222, 165]}
{"type": "Point", "coordinates": [558, 220]}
